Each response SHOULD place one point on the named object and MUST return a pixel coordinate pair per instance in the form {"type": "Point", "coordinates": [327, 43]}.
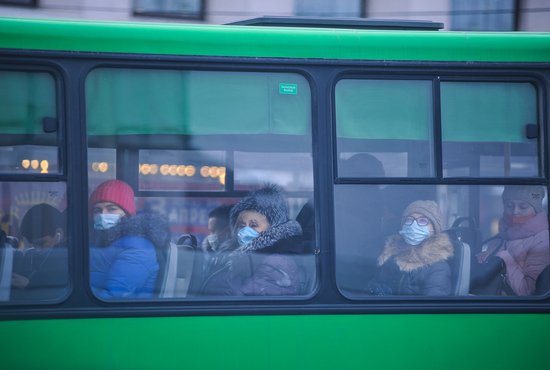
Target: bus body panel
{"type": "Point", "coordinates": [243, 41]}
{"type": "Point", "coordinates": [385, 341]}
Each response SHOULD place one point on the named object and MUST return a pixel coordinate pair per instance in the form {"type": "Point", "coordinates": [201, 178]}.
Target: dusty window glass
{"type": "Point", "coordinates": [29, 127]}
{"type": "Point", "coordinates": [441, 241]}
{"type": "Point", "coordinates": [188, 145]}
{"type": "Point", "coordinates": [35, 257]}
{"type": "Point", "coordinates": [490, 129]}
{"type": "Point", "coordinates": [384, 128]}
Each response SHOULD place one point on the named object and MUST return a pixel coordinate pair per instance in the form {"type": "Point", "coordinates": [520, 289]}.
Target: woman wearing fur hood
{"type": "Point", "coordinates": [258, 257]}
{"type": "Point", "coordinates": [414, 262]}
{"type": "Point", "coordinates": [125, 247]}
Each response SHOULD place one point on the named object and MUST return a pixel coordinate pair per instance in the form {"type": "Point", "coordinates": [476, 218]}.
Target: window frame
{"type": "Point", "coordinates": [321, 75]}
{"type": "Point", "coordinates": [437, 77]}
{"type": "Point", "coordinates": [200, 15]}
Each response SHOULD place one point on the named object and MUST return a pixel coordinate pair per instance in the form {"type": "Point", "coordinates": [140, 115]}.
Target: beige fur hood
{"type": "Point", "coordinates": [436, 248]}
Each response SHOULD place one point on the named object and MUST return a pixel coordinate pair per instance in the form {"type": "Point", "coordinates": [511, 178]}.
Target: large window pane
{"type": "Point", "coordinates": [390, 120]}
{"type": "Point", "coordinates": [187, 146]}
{"type": "Point", "coordinates": [33, 218]}
{"type": "Point", "coordinates": [377, 255]}
{"type": "Point", "coordinates": [484, 129]}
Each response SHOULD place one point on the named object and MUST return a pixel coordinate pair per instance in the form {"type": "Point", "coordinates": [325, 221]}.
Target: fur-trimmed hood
{"type": "Point", "coordinates": [147, 225]}
{"type": "Point", "coordinates": [269, 201]}
{"type": "Point", "coordinates": [409, 258]}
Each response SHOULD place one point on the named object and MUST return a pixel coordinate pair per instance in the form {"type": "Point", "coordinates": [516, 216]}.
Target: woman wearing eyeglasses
{"type": "Point", "coordinates": [414, 261]}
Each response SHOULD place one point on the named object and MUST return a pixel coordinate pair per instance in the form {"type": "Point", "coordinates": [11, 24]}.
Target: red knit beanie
{"type": "Point", "coordinates": [115, 191]}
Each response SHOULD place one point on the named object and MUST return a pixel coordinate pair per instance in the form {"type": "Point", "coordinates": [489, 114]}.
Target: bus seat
{"type": "Point", "coordinates": [306, 219]}
{"type": "Point", "coordinates": [469, 234]}
{"type": "Point", "coordinates": [6, 265]}
{"type": "Point", "coordinates": [543, 282]}
{"type": "Point", "coordinates": [460, 265]}
{"type": "Point", "coordinates": [308, 269]}
{"type": "Point", "coordinates": [180, 262]}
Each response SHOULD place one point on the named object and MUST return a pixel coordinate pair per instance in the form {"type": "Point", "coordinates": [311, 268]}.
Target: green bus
{"type": "Point", "coordinates": [354, 121]}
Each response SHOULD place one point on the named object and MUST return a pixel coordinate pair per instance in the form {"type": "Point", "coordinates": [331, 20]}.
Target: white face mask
{"type": "Point", "coordinates": [414, 234]}
{"type": "Point", "coordinates": [104, 221]}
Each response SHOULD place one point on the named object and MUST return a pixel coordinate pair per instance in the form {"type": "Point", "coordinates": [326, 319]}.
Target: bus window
{"type": "Point", "coordinates": [187, 142]}
{"type": "Point", "coordinates": [32, 214]}
{"type": "Point", "coordinates": [499, 251]}
{"type": "Point", "coordinates": [389, 119]}
{"type": "Point", "coordinates": [34, 219]}
{"type": "Point", "coordinates": [484, 129]}
{"type": "Point", "coordinates": [28, 123]}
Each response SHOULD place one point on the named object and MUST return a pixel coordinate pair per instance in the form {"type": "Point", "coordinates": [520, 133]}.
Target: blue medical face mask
{"type": "Point", "coordinates": [246, 235]}
{"type": "Point", "coordinates": [104, 221]}
{"type": "Point", "coordinates": [414, 234]}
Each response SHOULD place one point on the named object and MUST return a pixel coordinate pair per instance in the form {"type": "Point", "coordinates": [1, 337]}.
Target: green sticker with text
{"type": "Point", "coordinates": [288, 89]}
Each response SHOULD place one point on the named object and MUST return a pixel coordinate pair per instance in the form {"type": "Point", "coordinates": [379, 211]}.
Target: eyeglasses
{"type": "Point", "coordinates": [421, 221]}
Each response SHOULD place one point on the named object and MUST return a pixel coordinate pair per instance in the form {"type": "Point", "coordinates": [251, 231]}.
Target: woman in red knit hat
{"type": "Point", "coordinates": [125, 246]}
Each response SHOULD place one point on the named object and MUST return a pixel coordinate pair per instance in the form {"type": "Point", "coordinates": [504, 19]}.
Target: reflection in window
{"type": "Point", "coordinates": [379, 252]}
{"type": "Point", "coordinates": [293, 171]}
{"type": "Point", "coordinates": [34, 222]}
{"type": "Point", "coordinates": [182, 170]}
{"type": "Point", "coordinates": [388, 119]}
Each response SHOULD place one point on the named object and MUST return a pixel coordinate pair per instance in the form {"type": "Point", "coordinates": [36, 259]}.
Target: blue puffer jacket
{"type": "Point", "coordinates": [124, 259]}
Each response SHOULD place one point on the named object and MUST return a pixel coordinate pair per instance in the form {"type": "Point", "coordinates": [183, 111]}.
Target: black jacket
{"type": "Point", "coordinates": [414, 270]}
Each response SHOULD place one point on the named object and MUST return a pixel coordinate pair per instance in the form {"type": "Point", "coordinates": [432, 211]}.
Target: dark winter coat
{"type": "Point", "coordinates": [414, 270]}
{"type": "Point", "coordinates": [266, 266]}
{"type": "Point", "coordinates": [47, 271]}
{"type": "Point", "coordinates": [124, 260]}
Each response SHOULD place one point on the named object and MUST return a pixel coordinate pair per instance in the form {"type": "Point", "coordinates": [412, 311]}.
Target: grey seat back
{"type": "Point", "coordinates": [6, 265]}
{"type": "Point", "coordinates": [460, 265]}
{"type": "Point", "coordinates": [179, 271]}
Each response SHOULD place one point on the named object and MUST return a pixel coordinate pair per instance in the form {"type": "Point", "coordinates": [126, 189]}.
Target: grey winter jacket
{"type": "Point", "coordinates": [414, 270]}
{"type": "Point", "coordinates": [266, 266]}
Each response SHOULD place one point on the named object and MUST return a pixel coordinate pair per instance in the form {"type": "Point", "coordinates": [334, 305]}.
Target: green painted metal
{"type": "Point", "coordinates": [438, 341]}
{"type": "Point", "coordinates": [245, 41]}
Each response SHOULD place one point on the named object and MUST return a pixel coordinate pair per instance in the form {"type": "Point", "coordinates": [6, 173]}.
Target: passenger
{"type": "Point", "coordinates": [521, 246]}
{"type": "Point", "coordinates": [415, 261]}
{"type": "Point", "coordinates": [125, 247]}
{"type": "Point", "coordinates": [218, 226]}
{"type": "Point", "coordinates": [358, 238]}
{"type": "Point", "coordinates": [41, 271]}
{"type": "Point", "coordinates": [263, 239]}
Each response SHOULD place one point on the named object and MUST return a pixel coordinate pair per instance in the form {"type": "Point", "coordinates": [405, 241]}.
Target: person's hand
{"type": "Point", "coordinates": [19, 281]}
